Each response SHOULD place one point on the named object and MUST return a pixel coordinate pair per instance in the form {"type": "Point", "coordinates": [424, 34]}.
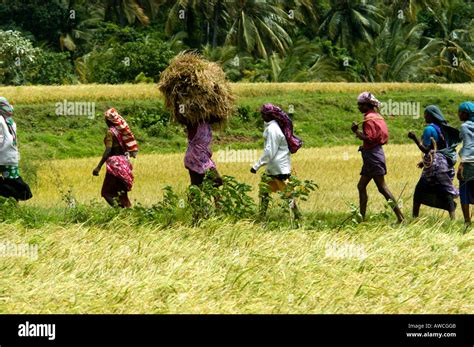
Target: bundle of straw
{"type": "Point", "coordinates": [196, 90]}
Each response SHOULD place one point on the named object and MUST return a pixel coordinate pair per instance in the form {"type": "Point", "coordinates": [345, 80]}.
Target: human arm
{"type": "Point", "coordinates": [425, 145]}
{"type": "Point", "coordinates": [359, 134]}
{"type": "Point", "coordinates": [460, 172]}
{"type": "Point", "coordinates": [105, 155]}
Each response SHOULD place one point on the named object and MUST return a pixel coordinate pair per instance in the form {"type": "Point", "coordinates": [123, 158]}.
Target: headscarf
{"type": "Point", "coordinates": [436, 114]}
{"type": "Point", "coordinates": [123, 129]}
{"type": "Point", "coordinates": [450, 134]}
{"type": "Point", "coordinates": [6, 111]}
{"type": "Point", "coordinates": [368, 98]}
{"type": "Point", "coordinates": [286, 125]}
{"type": "Point", "coordinates": [468, 107]}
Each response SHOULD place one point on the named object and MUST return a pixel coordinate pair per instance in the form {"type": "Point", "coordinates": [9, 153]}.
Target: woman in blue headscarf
{"type": "Point", "coordinates": [466, 168]}
{"type": "Point", "coordinates": [438, 145]}
{"type": "Point", "coordinates": [11, 183]}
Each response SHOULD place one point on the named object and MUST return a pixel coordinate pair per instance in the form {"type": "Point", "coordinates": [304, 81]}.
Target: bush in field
{"type": "Point", "coordinates": [16, 56]}
{"type": "Point", "coordinates": [124, 62]}
{"type": "Point", "coordinates": [155, 120]}
{"type": "Point", "coordinates": [247, 114]}
{"type": "Point", "coordinates": [230, 200]}
{"type": "Point", "coordinates": [52, 68]}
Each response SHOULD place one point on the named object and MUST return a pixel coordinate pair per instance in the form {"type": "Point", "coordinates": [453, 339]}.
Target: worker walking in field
{"type": "Point", "coordinates": [438, 145]}
{"type": "Point", "coordinates": [198, 95]}
{"type": "Point", "coordinates": [120, 145]}
{"type": "Point", "coordinates": [374, 135]}
{"type": "Point", "coordinates": [11, 183]}
{"type": "Point", "coordinates": [466, 168]}
{"type": "Point", "coordinates": [280, 143]}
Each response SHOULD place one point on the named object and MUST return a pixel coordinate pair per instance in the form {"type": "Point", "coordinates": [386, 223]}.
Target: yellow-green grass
{"type": "Point", "coordinates": [94, 92]}
{"type": "Point", "coordinates": [424, 266]}
{"type": "Point", "coordinates": [239, 268]}
{"type": "Point", "coordinates": [335, 169]}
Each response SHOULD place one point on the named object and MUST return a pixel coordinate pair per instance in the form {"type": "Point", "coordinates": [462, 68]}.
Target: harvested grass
{"type": "Point", "coordinates": [196, 90]}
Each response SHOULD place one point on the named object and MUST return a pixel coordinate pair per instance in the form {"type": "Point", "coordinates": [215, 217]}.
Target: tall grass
{"type": "Point", "coordinates": [94, 92]}
{"type": "Point", "coordinates": [222, 267]}
{"type": "Point", "coordinates": [95, 259]}
{"type": "Point", "coordinates": [335, 169]}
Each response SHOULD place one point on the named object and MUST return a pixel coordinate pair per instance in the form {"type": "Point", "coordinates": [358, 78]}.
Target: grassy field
{"type": "Point", "coordinates": [328, 265]}
{"type": "Point", "coordinates": [335, 169]}
{"type": "Point", "coordinates": [322, 112]}
{"type": "Point", "coordinates": [240, 268]}
{"type": "Point", "coordinates": [42, 94]}
{"type": "Point", "coordinates": [94, 259]}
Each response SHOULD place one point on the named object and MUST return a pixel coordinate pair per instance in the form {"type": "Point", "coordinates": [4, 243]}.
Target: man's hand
{"type": "Point", "coordinates": [420, 165]}
{"type": "Point", "coordinates": [460, 172]}
{"type": "Point", "coordinates": [252, 170]}
{"type": "Point", "coordinates": [354, 127]}
{"type": "Point", "coordinates": [96, 171]}
{"type": "Point", "coordinates": [412, 135]}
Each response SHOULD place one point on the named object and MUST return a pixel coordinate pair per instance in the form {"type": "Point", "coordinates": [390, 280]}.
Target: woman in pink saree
{"type": "Point", "coordinates": [120, 144]}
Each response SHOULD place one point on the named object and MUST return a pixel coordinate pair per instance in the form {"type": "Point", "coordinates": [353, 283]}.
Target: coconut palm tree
{"type": "Point", "coordinates": [409, 8]}
{"type": "Point", "coordinates": [307, 13]}
{"type": "Point", "coordinates": [84, 17]}
{"type": "Point", "coordinates": [128, 11]}
{"type": "Point", "coordinates": [258, 27]}
{"type": "Point", "coordinates": [351, 22]}
{"type": "Point", "coordinates": [452, 53]}
{"type": "Point", "coordinates": [193, 17]}
{"type": "Point", "coordinates": [227, 57]}
{"type": "Point", "coordinates": [308, 61]}
{"type": "Point", "coordinates": [395, 54]}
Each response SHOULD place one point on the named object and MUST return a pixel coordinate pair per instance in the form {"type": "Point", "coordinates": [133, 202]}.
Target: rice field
{"type": "Point", "coordinates": [423, 266]}
{"type": "Point", "coordinates": [241, 268]}
{"type": "Point", "coordinates": [329, 264]}
{"type": "Point", "coordinates": [335, 170]}
{"type": "Point", "coordinates": [89, 92]}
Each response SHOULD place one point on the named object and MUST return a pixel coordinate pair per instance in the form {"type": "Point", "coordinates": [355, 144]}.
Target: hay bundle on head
{"type": "Point", "coordinates": [196, 90]}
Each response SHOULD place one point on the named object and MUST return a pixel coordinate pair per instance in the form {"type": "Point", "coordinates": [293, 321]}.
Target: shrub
{"type": "Point", "coordinates": [52, 68]}
{"type": "Point", "coordinates": [123, 63]}
{"type": "Point", "coordinates": [16, 56]}
{"type": "Point", "coordinates": [231, 200]}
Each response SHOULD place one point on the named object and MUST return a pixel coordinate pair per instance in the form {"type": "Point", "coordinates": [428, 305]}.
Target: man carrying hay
{"type": "Point", "coordinates": [198, 96]}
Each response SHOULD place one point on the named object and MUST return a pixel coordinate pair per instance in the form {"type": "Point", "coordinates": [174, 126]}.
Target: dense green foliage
{"type": "Point", "coordinates": [321, 119]}
{"type": "Point", "coordinates": [296, 40]}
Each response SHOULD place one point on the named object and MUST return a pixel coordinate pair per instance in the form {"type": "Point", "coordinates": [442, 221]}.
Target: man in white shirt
{"type": "Point", "coordinates": [277, 159]}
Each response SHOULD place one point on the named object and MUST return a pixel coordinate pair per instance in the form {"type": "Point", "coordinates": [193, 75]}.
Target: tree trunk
{"type": "Point", "coordinates": [217, 10]}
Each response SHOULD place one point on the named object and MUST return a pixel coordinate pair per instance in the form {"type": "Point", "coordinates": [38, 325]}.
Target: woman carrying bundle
{"type": "Point", "coordinates": [438, 145]}
{"type": "Point", "coordinates": [11, 183]}
{"type": "Point", "coordinates": [279, 143]}
{"type": "Point", "coordinates": [374, 135]}
{"type": "Point", "coordinates": [466, 168]}
{"type": "Point", "coordinates": [120, 145]}
{"type": "Point", "coordinates": [198, 96]}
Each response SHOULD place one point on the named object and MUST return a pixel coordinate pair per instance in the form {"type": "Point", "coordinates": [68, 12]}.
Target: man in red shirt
{"type": "Point", "coordinates": [374, 135]}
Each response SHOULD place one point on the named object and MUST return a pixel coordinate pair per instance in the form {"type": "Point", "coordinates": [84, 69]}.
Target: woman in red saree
{"type": "Point", "coordinates": [120, 144]}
